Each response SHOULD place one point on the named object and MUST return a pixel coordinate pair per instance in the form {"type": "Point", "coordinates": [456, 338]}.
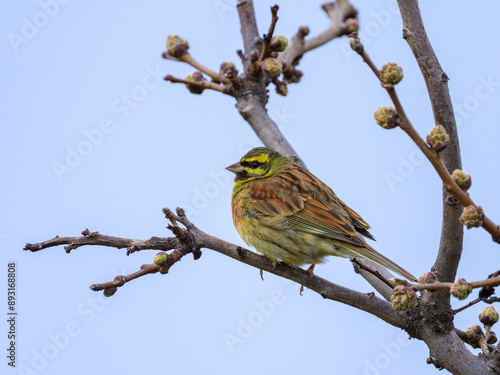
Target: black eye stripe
{"type": "Point", "coordinates": [251, 164]}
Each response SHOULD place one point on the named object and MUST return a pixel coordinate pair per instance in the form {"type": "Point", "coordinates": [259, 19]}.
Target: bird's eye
{"type": "Point", "coordinates": [255, 164]}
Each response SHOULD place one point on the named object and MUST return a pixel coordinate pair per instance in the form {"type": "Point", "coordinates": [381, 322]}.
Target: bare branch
{"type": "Point", "coordinates": [95, 238]}
{"type": "Point", "coordinates": [366, 302]}
{"type": "Point", "coordinates": [266, 50]}
{"type": "Point", "coordinates": [205, 84]}
{"type": "Point", "coordinates": [451, 243]}
{"type": "Point", "coordinates": [249, 31]}
{"type": "Point", "coordinates": [494, 281]}
{"type": "Point", "coordinates": [338, 11]}
{"type": "Point", "coordinates": [254, 112]}
{"type": "Point", "coordinates": [452, 258]}
{"type": "Point", "coordinates": [188, 59]}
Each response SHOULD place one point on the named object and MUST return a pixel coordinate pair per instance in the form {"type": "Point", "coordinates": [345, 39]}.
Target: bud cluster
{"type": "Point", "coordinates": [472, 217]}
{"type": "Point", "coordinates": [386, 117]}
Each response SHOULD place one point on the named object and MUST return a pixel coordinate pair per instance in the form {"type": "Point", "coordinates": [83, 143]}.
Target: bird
{"type": "Point", "coordinates": [289, 215]}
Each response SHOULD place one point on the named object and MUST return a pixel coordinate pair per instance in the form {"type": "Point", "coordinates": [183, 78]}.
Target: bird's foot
{"type": "Point", "coordinates": [261, 275]}
{"type": "Point", "coordinates": [310, 270]}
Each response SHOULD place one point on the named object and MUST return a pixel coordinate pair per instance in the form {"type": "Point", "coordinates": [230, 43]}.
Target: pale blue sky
{"type": "Point", "coordinates": [73, 74]}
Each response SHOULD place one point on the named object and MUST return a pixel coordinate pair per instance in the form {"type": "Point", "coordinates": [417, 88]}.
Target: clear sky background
{"type": "Point", "coordinates": [169, 148]}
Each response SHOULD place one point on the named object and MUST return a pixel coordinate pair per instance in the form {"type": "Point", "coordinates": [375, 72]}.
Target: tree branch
{"type": "Point", "coordinates": [188, 59]}
{"type": "Point", "coordinates": [364, 301]}
{"type": "Point", "coordinates": [266, 50]}
{"type": "Point", "coordinates": [451, 243]}
{"type": "Point", "coordinates": [95, 238]}
{"type": "Point", "coordinates": [204, 84]}
{"type": "Point", "coordinates": [249, 31]}
{"type": "Point", "coordinates": [339, 12]}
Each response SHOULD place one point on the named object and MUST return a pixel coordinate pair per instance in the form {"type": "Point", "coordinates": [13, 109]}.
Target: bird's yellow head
{"type": "Point", "coordinates": [260, 162]}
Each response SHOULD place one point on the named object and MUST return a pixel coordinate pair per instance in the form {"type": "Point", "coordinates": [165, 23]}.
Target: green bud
{"type": "Point", "coordinates": [272, 67]}
{"type": "Point", "coordinates": [427, 278]}
{"type": "Point", "coordinates": [160, 258]}
{"type": "Point", "coordinates": [390, 75]}
{"type": "Point", "coordinates": [108, 292]}
{"type": "Point", "coordinates": [387, 117]}
{"type": "Point", "coordinates": [472, 217]}
{"type": "Point", "coordinates": [196, 77]}
{"type": "Point", "coordinates": [438, 139]}
{"type": "Point", "coordinates": [176, 46]}
{"type": "Point", "coordinates": [460, 289]}
{"type": "Point", "coordinates": [462, 179]}
{"type": "Point", "coordinates": [119, 281]}
{"type": "Point", "coordinates": [279, 43]}
{"type": "Point", "coordinates": [488, 316]}
{"type": "Point", "coordinates": [403, 298]}
{"type": "Point", "coordinates": [293, 75]}
{"type": "Point", "coordinates": [228, 70]}
{"type": "Point", "coordinates": [492, 338]}
{"type": "Point", "coordinates": [356, 45]}
{"type": "Point", "coordinates": [282, 88]}
{"type": "Point", "coordinates": [473, 335]}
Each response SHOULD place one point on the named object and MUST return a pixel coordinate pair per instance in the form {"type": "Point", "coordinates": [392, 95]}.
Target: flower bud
{"type": "Point", "coordinates": [160, 258]}
{"type": "Point", "coordinates": [272, 67]}
{"type": "Point", "coordinates": [460, 289]}
{"type": "Point", "coordinates": [228, 70]}
{"type": "Point", "coordinates": [492, 338]}
{"type": "Point", "coordinates": [293, 75]}
{"type": "Point", "coordinates": [119, 281]}
{"type": "Point", "coordinates": [473, 335]}
{"type": "Point", "coordinates": [462, 179]}
{"type": "Point", "coordinates": [472, 217]}
{"type": "Point", "coordinates": [390, 75]}
{"type": "Point", "coordinates": [279, 43]}
{"type": "Point", "coordinates": [427, 278]}
{"type": "Point", "coordinates": [387, 117]}
{"type": "Point", "coordinates": [176, 46]}
{"type": "Point", "coordinates": [355, 43]}
{"type": "Point", "coordinates": [282, 88]}
{"type": "Point", "coordinates": [403, 298]}
{"type": "Point", "coordinates": [195, 77]}
{"type": "Point", "coordinates": [108, 292]}
{"type": "Point", "coordinates": [254, 55]}
{"type": "Point", "coordinates": [438, 139]}
{"type": "Point", "coordinates": [488, 316]}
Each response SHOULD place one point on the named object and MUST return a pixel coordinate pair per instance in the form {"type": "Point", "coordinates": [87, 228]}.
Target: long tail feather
{"type": "Point", "coordinates": [371, 254]}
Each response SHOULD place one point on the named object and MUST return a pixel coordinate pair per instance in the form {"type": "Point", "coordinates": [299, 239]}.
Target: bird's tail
{"type": "Point", "coordinates": [371, 254]}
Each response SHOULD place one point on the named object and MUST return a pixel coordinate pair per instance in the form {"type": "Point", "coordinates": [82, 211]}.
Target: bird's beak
{"type": "Point", "coordinates": [235, 168]}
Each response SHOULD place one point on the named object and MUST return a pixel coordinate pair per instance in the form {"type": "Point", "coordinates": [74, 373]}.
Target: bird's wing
{"type": "Point", "coordinates": [305, 213]}
{"type": "Point", "coordinates": [357, 221]}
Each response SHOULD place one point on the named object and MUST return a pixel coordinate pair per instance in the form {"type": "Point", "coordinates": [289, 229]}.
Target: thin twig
{"type": "Point", "coordinates": [266, 49]}
{"type": "Point", "coordinates": [339, 12]}
{"type": "Point", "coordinates": [217, 78]}
{"type": "Point", "coordinates": [434, 157]}
{"type": "Point", "coordinates": [205, 84]}
{"type": "Point", "coordinates": [373, 272]}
